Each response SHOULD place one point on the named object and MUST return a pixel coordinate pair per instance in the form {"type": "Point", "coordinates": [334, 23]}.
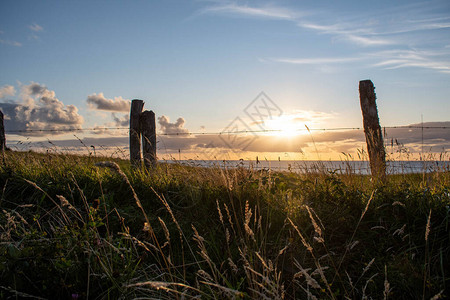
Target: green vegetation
{"type": "Point", "coordinates": [74, 228]}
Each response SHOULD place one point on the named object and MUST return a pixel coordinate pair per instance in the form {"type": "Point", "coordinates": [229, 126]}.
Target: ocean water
{"type": "Point", "coordinates": [338, 167]}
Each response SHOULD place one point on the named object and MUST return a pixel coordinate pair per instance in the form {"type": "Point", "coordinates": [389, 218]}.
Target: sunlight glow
{"type": "Point", "coordinates": [297, 123]}
{"type": "Point", "coordinates": [286, 126]}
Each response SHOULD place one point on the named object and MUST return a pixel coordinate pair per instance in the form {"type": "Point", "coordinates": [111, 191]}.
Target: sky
{"type": "Point", "coordinates": [208, 66]}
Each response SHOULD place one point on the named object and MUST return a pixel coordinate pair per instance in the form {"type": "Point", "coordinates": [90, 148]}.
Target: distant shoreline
{"type": "Point", "coordinates": [304, 166]}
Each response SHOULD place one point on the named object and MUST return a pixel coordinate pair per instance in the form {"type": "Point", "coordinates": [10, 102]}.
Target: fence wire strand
{"type": "Point", "coordinates": [218, 133]}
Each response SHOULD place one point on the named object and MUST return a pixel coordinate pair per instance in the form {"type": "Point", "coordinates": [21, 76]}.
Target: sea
{"type": "Point", "coordinates": [308, 166]}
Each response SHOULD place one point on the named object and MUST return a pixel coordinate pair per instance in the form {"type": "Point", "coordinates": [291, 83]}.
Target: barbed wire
{"type": "Point", "coordinates": [65, 129]}
{"type": "Point", "coordinates": [221, 132]}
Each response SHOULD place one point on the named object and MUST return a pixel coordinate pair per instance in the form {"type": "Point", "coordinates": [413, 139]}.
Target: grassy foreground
{"type": "Point", "coordinates": [74, 228]}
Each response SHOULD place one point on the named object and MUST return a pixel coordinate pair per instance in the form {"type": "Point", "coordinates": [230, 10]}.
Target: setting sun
{"type": "Point", "coordinates": [290, 125]}
{"type": "Point", "coordinates": [283, 126]}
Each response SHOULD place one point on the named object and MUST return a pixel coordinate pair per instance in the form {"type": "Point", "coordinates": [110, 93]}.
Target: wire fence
{"type": "Point", "coordinates": [220, 132]}
{"type": "Point", "coordinates": [167, 150]}
{"type": "Point", "coordinates": [345, 166]}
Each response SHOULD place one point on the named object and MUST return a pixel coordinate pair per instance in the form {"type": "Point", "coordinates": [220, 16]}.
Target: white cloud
{"type": "Point", "coordinates": [343, 28]}
{"type": "Point", "coordinates": [268, 12]}
{"type": "Point", "coordinates": [367, 41]}
{"type": "Point", "coordinates": [316, 60]}
{"type": "Point", "coordinates": [99, 102]}
{"type": "Point", "coordinates": [394, 59]}
{"type": "Point", "coordinates": [387, 59]}
{"type": "Point", "coordinates": [40, 110]}
{"type": "Point", "coordinates": [353, 32]}
{"type": "Point", "coordinates": [374, 28]}
{"type": "Point", "coordinates": [172, 128]}
{"type": "Point", "coordinates": [7, 90]}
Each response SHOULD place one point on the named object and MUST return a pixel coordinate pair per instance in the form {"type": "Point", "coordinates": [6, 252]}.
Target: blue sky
{"type": "Point", "coordinates": [205, 61]}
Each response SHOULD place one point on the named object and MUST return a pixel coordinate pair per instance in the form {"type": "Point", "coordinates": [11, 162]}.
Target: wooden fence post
{"type": "Point", "coordinates": [148, 128]}
{"type": "Point", "coordinates": [372, 129]}
{"type": "Point", "coordinates": [2, 134]}
{"type": "Point", "coordinates": [135, 133]}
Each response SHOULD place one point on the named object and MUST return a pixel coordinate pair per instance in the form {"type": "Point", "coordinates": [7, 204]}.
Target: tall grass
{"type": "Point", "coordinates": [76, 228]}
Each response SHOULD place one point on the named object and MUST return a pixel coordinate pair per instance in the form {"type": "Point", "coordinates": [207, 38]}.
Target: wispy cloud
{"type": "Point", "coordinates": [268, 12]}
{"type": "Point", "coordinates": [340, 28]}
{"type": "Point", "coordinates": [383, 27]}
{"type": "Point", "coordinates": [36, 27]}
{"type": "Point", "coordinates": [349, 31]}
{"type": "Point", "coordinates": [395, 59]}
{"type": "Point", "coordinates": [10, 43]}
{"type": "Point", "coordinates": [354, 32]}
{"type": "Point", "coordinates": [368, 40]}
{"type": "Point", "coordinates": [316, 61]}
{"type": "Point", "coordinates": [386, 59]}
{"type": "Point", "coordinates": [376, 28]}
{"type": "Point", "coordinates": [419, 25]}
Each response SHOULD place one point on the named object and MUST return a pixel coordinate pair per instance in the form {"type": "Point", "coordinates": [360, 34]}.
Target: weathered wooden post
{"type": "Point", "coordinates": [2, 134]}
{"type": "Point", "coordinates": [372, 129]}
{"type": "Point", "coordinates": [148, 128]}
{"type": "Point", "coordinates": [135, 133]}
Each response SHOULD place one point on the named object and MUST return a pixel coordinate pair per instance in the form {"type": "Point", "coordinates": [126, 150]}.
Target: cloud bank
{"type": "Point", "coordinates": [400, 143]}
{"type": "Point", "coordinates": [39, 109]}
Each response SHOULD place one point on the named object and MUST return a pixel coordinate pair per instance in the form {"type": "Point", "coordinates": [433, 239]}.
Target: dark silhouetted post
{"type": "Point", "coordinates": [2, 134]}
{"type": "Point", "coordinates": [372, 129]}
{"type": "Point", "coordinates": [148, 128]}
{"type": "Point", "coordinates": [135, 132]}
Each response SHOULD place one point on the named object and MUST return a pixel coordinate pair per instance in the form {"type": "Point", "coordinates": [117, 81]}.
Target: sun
{"type": "Point", "coordinates": [289, 131]}
{"type": "Point", "coordinates": [284, 126]}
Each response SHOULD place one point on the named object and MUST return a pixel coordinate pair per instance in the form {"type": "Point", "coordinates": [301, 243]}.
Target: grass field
{"type": "Point", "coordinates": [74, 227]}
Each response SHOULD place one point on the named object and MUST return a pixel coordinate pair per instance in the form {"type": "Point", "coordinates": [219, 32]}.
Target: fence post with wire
{"type": "Point", "coordinates": [148, 128]}
{"type": "Point", "coordinates": [142, 125]}
{"type": "Point", "coordinates": [372, 129]}
{"type": "Point", "coordinates": [142, 131]}
{"type": "Point", "coordinates": [135, 133]}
